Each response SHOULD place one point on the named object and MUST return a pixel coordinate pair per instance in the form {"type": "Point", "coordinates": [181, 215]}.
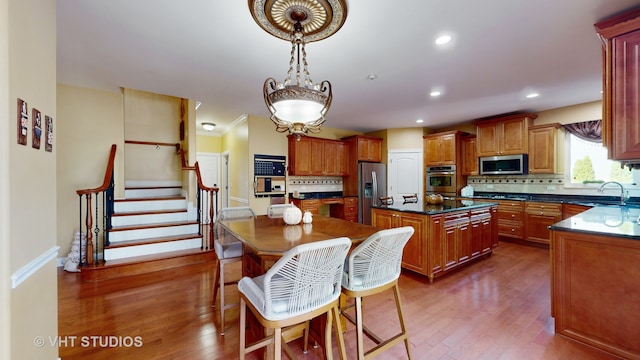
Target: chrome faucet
{"type": "Point", "coordinates": [624, 195]}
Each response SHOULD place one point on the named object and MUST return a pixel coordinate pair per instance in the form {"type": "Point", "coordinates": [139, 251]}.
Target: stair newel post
{"type": "Point", "coordinates": [80, 261]}
{"type": "Point", "coordinates": [210, 222]}
{"type": "Point", "coordinates": [97, 236]}
{"type": "Point", "coordinates": [89, 226]}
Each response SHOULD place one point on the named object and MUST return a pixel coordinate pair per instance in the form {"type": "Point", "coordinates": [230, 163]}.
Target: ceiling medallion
{"type": "Point", "coordinates": [322, 18]}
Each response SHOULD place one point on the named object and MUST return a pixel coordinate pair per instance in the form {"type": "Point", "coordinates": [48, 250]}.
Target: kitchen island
{"type": "Point", "coordinates": [595, 279]}
{"type": "Point", "coordinates": [447, 236]}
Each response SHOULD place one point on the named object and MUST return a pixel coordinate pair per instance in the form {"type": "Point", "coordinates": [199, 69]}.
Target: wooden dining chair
{"type": "Point", "coordinates": [301, 285]}
{"type": "Point", "coordinates": [371, 268]}
{"type": "Point", "coordinates": [277, 210]}
{"type": "Point", "coordinates": [228, 250]}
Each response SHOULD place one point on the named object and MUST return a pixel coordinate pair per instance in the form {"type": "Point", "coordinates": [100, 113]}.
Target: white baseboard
{"type": "Point", "coordinates": [34, 265]}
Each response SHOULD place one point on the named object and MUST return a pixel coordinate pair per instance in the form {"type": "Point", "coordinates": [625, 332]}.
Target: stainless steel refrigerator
{"type": "Point", "coordinates": [372, 185]}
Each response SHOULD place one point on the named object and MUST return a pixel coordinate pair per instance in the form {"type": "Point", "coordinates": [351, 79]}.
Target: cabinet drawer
{"type": "Point", "coordinates": [510, 229]}
{"type": "Point", "coordinates": [349, 210]}
{"type": "Point", "coordinates": [510, 205]}
{"type": "Point", "coordinates": [540, 208]}
{"type": "Point", "coordinates": [511, 216]}
{"type": "Point", "coordinates": [351, 201]}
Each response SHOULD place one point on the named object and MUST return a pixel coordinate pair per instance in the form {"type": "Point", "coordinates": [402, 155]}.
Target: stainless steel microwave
{"type": "Point", "coordinates": [504, 165]}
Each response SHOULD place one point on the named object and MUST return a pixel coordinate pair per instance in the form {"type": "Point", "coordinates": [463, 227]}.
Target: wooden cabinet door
{"type": "Point", "coordinates": [330, 158]}
{"type": "Point", "coordinates": [450, 243]}
{"type": "Point", "coordinates": [569, 210]}
{"type": "Point", "coordinates": [538, 217]}
{"type": "Point", "coordinates": [448, 149]}
{"type": "Point", "coordinates": [383, 219]}
{"type": "Point", "coordinates": [469, 156]}
{"type": "Point", "coordinates": [300, 155]}
{"type": "Point", "coordinates": [542, 149]}
{"type": "Point", "coordinates": [515, 138]}
{"type": "Point", "coordinates": [464, 240]}
{"type": "Point", "coordinates": [375, 150]}
{"type": "Point", "coordinates": [488, 139]}
{"type": "Point", "coordinates": [414, 254]}
{"type": "Point", "coordinates": [317, 156]}
{"type": "Point", "coordinates": [431, 151]}
{"type": "Point", "coordinates": [436, 256]}
{"type": "Point", "coordinates": [342, 158]}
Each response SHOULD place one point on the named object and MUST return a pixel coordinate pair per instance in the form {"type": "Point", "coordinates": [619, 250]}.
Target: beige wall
{"type": "Point", "coordinates": [31, 224]}
{"type": "Point", "coordinates": [152, 118]}
{"type": "Point", "coordinates": [90, 120]}
{"type": "Point", "coordinates": [5, 214]}
{"type": "Point", "coordinates": [236, 143]}
{"type": "Point", "coordinates": [208, 143]}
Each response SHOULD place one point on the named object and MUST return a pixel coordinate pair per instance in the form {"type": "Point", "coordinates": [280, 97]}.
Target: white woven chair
{"type": "Point", "coordinates": [371, 268]}
{"type": "Point", "coordinates": [228, 250]}
{"type": "Point", "coordinates": [300, 286]}
{"type": "Point", "coordinates": [277, 210]}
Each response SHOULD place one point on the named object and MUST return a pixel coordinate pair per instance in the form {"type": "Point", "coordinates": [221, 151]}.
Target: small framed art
{"type": "Point", "coordinates": [23, 122]}
{"type": "Point", "coordinates": [48, 146]}
{"type": "Point", "coordinates": [37, 128]}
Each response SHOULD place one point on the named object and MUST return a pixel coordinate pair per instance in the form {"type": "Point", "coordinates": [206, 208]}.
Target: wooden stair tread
{"type": "Point", "coordinates": [156, 212]}
{"type": "Point", "coordinates": [137, 265]}
{"type": "Point", "coordinates": [152, 225]}
{"type": "Point", "coordinates": [156, 240]}
{"type": "Point", "coordinates": [153, 198]}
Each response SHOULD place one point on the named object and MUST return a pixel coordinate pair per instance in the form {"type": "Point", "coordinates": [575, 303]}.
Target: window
{"type": "Point", "coordinates": [588, 164]}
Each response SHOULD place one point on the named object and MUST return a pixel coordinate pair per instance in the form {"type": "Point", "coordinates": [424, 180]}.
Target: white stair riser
{"type": "Point", "coordinates": [151, 205]}
{"type": "Point", "coordinates": [138, 234]}
{"type": "Point", "coordinates": [151, 183]}
{"type": "Point", "coordinates": [139, 250]}
{"type": "Point", "coordinates": [147, 193]}
{"type": "Point", "coordinates": [146, 219]}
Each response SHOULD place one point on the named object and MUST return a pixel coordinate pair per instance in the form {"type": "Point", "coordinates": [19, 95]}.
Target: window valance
{"type": "Point", "coordinates": [590, 130]}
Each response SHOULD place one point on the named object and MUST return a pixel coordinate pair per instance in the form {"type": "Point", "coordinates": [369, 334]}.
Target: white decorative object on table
{"type": "Point", "coordinates": [292, 215]}
{"type": "Point", "coordinates": [308, 217]}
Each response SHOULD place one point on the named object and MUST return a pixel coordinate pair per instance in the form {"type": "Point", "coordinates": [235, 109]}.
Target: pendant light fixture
{"type": "Point", "coordinates": [297, 105]}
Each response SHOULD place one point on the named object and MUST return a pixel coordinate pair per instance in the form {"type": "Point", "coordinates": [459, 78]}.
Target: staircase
{"type": "Point", "coordinates": [153, 228]}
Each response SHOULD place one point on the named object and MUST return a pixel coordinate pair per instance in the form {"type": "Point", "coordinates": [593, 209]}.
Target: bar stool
{"type": "Point", "coordinates": [301, 285]}
{"type": "Point", "coordinates": [228, 250]}
{"type": "Point", "coordinates": [277, 210]}
{"type": "Point", "coordinates": [371, 268]}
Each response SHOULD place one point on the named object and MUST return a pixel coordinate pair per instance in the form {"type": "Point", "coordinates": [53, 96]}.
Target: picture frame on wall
{"type": "Point", "coordinates": [23, 122]}
{"type": "Point", "coordinates": [48, 146]}
{"type": "Point", "coordinates": [37, 128]}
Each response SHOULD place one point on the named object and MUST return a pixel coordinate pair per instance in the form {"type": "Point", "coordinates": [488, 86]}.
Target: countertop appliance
{"type": "Point", "coordinates": [504, 165]}
{"type": "Point", "coordinates": [442, 180]}
{"type": "Point", "coordinates": [372, 185]}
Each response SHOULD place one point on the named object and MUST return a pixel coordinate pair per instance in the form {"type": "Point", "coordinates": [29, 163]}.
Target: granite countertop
{"type": "Point", "coordinates": [422, 207]}
{"type": "Point", "coordinates": [619, 221]}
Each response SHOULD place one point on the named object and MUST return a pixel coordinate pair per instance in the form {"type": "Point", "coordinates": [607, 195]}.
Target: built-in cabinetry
{"type": "Point", "coordinates": [469, 161]}
{"type": "Point", "coordinates": [441, 148]}
{"type": "Point", "coordinates": [316, 156]}
{"type": "Point", "coordinates": [538, 216]}
{"type": "Point", "coordinates": [569, 210]}
{"type": "Point", "coordinates": [312, 205]}
{"type": "Point", "coordinates": [621, 90]}
{"type": "Point", "coordinates": [510, 218]}
{"type": "Point", "coordinates": [504, 135]}
{"type": "Point", "coordinates": [544, 141]}
{"type": "Point", "coordinates": [442, 242]}
{"type": "Point", "coordinates": [360, 149]}
{"type": "Point", "coordinates": [349, 210]}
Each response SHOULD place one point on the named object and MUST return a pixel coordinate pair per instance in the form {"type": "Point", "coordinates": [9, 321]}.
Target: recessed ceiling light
{"type": "Point", "coordinates": [419, 121]}
{"type": "Point", "coordinates": [441, 40]}
{"type": "Point", "coordinates": [435, 93]}
{"type": "Point", "coordinates": [532, 95]}
{"type": "Point", "coordinates": [372, 76]}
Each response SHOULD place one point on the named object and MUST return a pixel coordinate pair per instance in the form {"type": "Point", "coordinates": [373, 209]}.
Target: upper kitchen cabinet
{"type": "Point", "coordinates": [544, 143]}
{"type": "Point", "coordinates": [365, 148]}
{"type": "Point", "coordinates": [505, 135]}
{"type": "Point", "coordinates": [621, 70]}
{"type": "Point", "coordinates": [317, 157]}
{"type": "Point", "coordinates": [469, 159]}
{"type": "Point", "coordinates": [441, 148]}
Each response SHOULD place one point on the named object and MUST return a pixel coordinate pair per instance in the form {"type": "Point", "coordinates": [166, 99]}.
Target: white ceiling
{"type": "Point", "coordinates": [212, 51]}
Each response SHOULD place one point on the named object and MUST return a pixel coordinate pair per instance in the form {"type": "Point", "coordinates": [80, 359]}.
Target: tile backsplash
{"type": "Point", "coordinates": [305, 184]}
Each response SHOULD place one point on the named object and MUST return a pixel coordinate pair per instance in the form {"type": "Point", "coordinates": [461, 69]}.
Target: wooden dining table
{"type": "Point", "coordinates": [265, 239]}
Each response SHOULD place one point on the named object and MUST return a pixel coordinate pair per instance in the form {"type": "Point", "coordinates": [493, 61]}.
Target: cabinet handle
{"type": "Point", "coordinates": [513, 215]}
{"type": "Point", "coordinates": [513, 230]}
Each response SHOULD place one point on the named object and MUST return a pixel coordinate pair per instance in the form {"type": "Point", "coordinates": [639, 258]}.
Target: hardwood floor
{"type": "Point", "coordinates": [497, 308]}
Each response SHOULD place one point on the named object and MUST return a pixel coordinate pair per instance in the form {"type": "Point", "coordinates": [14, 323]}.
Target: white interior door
{"type": "Point", "coordinates": [405, 173]}
{"type": "Point", "coordinates": [209, 164]}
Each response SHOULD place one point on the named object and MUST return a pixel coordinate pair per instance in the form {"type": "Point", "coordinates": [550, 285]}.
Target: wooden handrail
{"type": "Point", "coordinates": [176, 145]}
{"type": "Point", "coordinates": [107, 176]}
{"type": "Point", "coordinates": [184, 162]}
